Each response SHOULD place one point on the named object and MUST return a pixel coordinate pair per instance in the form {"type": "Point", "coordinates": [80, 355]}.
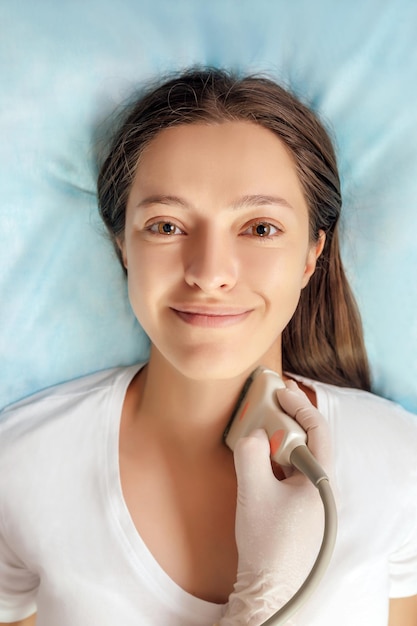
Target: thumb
{"type": "Point", "coordinates": [295, 402]}
{"type": "Point", "coordinates": [253, 464]}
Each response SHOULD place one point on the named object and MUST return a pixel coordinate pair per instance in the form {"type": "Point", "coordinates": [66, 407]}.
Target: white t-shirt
{"type": "Point", "coordinates": [69, 549]}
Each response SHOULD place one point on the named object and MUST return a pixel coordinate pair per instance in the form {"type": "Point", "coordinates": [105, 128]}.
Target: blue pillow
{"type": "Point", "coordinates": [65, 66]}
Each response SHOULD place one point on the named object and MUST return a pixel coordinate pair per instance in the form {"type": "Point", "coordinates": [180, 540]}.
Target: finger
{"type": "Point", "coordinates": [297, 405]}
{"type": "Point", "coordinates": [253, 464]}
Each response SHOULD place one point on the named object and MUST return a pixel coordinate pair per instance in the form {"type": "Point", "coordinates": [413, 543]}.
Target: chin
{"type": "Point", "coordinates": [220, 364]}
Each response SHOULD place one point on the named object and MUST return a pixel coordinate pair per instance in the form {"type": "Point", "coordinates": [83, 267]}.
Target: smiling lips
{"type": "Point", "coordinates": [212, 318]}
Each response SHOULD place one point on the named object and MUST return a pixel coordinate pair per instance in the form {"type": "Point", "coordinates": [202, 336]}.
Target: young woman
{"type": "Point", "coordinates": [119, 501]}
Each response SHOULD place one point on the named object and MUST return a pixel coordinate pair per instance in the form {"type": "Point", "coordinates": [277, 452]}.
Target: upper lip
{"type": "Point", "coordinates": [211, 310]}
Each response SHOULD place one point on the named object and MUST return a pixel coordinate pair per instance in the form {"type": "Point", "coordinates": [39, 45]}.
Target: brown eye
{"type": "Point", "coordinates": [261, 229]}
{"type": "Point", "coordinates": [166, 228]}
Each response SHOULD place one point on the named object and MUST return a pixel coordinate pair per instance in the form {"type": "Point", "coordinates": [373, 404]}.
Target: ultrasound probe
{"type": "Point", "coordinates": [258, 407]}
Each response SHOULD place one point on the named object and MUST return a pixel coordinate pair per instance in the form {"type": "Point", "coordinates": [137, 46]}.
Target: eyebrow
{"type": "Point", "coordinates": [247, 201]}
{"type": "Point", "coordinates": [162, 199]}
{"type": "Point", "coordinates": [260, 200]}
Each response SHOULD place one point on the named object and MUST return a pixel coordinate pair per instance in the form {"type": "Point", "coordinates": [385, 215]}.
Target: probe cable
{"type": "Point", "coordinates": [303, 460]}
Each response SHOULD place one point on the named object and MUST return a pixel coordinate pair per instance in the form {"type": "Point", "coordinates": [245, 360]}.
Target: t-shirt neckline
{"type": "Point", "coordinates": [135, 550]}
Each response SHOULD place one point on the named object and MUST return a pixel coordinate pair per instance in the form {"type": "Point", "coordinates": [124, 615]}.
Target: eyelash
{"type": "Point", "coordinates": [157, 228]}
{"type": "Point", "coordinates": [251, 230]}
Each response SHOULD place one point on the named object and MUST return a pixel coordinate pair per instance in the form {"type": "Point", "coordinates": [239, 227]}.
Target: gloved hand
{"type": "Point", "coordinates": [279, 524]}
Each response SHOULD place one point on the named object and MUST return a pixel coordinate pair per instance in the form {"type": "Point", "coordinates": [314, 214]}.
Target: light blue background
{"type": "Point", "coordinates": [64, 65]}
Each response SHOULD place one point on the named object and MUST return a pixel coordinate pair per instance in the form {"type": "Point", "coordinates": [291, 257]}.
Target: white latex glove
{"type": "Point", "coordinates": [279, 524]}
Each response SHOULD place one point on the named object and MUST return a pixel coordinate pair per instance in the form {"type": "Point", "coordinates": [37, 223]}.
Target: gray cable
{"type": "Point", "coordinates": [304, 461]}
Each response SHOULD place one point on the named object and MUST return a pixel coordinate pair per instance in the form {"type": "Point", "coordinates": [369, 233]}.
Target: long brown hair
{"type": "Point", "coordinates": [324, 339]}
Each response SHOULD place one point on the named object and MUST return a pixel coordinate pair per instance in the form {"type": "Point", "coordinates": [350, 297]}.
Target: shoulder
{"type": "Point", "coordinates": [372, 437]}
{"type": "Point", "coordinates": [372, 423]}
{"type": "Point", "coordinates": [356, 409]}
{"type": "Point", "coordinates": [47, 437]}
{"type": "Point", "coordinates": [68, 400]}
{"type": "Point", "coordinates": [346, 407]}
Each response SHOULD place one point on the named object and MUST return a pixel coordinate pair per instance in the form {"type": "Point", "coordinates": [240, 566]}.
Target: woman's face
{"type": "Point", "coordinates": [217, 247]}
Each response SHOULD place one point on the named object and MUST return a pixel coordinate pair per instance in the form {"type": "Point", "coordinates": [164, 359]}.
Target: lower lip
{"type": "Point", "coordinates": [211, 321]}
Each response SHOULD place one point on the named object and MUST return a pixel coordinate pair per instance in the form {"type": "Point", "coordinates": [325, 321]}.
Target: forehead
{"type": "Point", "coordinates": [233, 158]}
{"type": "Point", "coordinates": [230, 136]}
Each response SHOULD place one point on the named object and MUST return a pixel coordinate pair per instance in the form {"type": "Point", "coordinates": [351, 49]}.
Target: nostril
{"type": "Point", "coordinates": [210, 262]}
{"type": "Point", "coordinates": [209, 282]}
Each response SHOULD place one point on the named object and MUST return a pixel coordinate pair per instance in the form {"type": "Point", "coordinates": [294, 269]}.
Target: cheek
{"type": "Point", "coordinates": [139, 278]}
{"type": "Point", "coordinates": [151, 272]}
{"type": "Point", "coordinates": [275, 269]}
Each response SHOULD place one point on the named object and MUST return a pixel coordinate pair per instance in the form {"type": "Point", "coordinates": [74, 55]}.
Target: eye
{"type": "Point", "coordinates": [165, 228]}
{"type": "Point", "coordinates": [262, 229]}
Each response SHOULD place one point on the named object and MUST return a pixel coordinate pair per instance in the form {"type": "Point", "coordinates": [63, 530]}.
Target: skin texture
{"type": "Point", "coordinates": [207, 178]}
{"type": "Point", "coordinates": [403, 611]}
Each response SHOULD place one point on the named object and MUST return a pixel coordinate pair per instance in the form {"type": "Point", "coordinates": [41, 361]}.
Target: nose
{"type": "Point", "coordinates": [211, 262]}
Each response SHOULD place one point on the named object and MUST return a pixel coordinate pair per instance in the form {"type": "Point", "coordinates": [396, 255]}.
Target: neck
{"type": "Point", "coordinates": [188, 414]}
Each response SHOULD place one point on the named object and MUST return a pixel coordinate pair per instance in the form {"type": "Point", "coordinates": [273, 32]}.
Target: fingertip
{"type": "Point", "coordinates": [259, 433]}
{"type": "Point", "coordinates": [291, 390]}
{"type": "Point", "coordinates": [291, 385]}
{"type": "Point", "coordinates": [292, 399]}
{"type": "Point", "coordinates": [252, 455]}
{"type": "Point", "coordinates": [256, 439]}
